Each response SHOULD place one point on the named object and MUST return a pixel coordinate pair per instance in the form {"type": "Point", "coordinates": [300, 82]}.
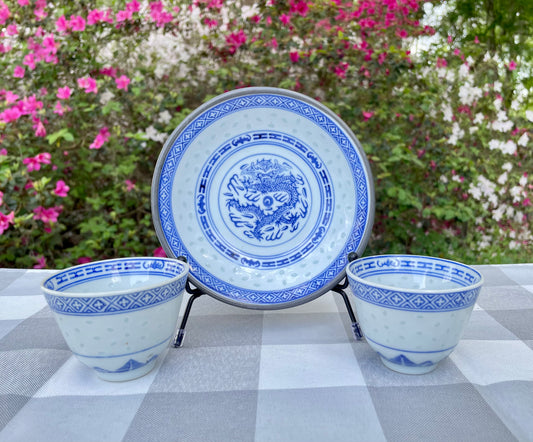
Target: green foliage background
{"type": "Point", "coordinates": [391, 97]}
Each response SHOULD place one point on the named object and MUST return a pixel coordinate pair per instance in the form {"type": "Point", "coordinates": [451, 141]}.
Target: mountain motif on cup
{"type": "Point", "coordinates": [405, 361]}
{"type": "Point", "coordinates": [132, 364]}
{"type": "Point", "coordinates": [266, 200]}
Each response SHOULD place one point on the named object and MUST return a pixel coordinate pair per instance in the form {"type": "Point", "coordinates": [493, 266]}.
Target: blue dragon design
{"type": "Point", "coordinates": [266, 199]}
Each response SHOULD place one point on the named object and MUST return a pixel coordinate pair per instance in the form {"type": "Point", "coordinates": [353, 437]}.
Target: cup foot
{"type": "Point", "coordinates": [406, 369]}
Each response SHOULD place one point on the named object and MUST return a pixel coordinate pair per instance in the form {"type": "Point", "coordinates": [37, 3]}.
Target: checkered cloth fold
{"type": "Point", "coordinates": [282, 375]}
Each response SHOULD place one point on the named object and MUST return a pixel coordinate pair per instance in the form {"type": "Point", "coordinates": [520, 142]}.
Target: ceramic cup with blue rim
{"type": "Point", "coordinates": [118, 315]}
{"type": "Point", "coordinates": [413, 309]}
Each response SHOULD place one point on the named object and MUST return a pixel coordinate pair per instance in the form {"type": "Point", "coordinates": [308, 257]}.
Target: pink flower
{"type": "Point", "coordinates": [130, 185]}
{"type": "Point", "coordinates": [235, 40]}
{"type": "Point", "coordinates": [29, 60]}
{"type": "Point", "coordinates": [123, 16]}
{"type": "Point", "coordinates": [1, 198]}
{"type": "Point", "coordinates": [83, 260]}
{"type": "Point", "coordinates": [109, 71]}
{"type": "Point", "coordinates": [77, 23]}
{"type": "Point", "coordinates": [5, 13]}
{"type": "Point", "coordinates": [367, 115]}
{"type": "Point", "coordinates": [41, 262]}
{"type": "Point", "coordinates": [63, 93]}
{"type": "Point", "coordinates": [18, 72]}
{"type": "Point", "coordinates": [402, 33]}
{"type": "Point", "coordinates": [12, 29]}
{"type": "Point", "coordinates": [88, 84]}
{"type": "Point", "coordinates": [210, 23]}
{"type": "Point", "coordinates": [62, 24]}
{"type": "Point", "coordinates": [94, 17]}
{"type": "Point", "coordinates": [300, 8]}
{"type": "Point", "coordinates": [40, 13]}
{"type": "Point", "coordinates": [285, 19]}
{"type": "Point", "coordinates": [476, 40]}
{"type": "Point", "coordinates": [158, 15]}
{"type": "Point", "coordinates": [160, 253]}
{"type": "Point", "coordinates": [133, 6]}
{"type": "Point", "coordinates": [10, 114]}
{"type": "Point", "coordinates": [122, 82]}
{"type": "Point", "coordinates": [340, 70]}
{"type": "Point", "coordinates": [3, 152]}
{"type": "Point", "coordinates": [40, 130]}
{"type": "Point", "coordinates": [60, 109]}
{"type": "Point", "coordinates": [34, 163]}
{"type": "Point", "coordinates": [23, 2]}
{"type": "Point", "coordinates": [441, 62]}
{"type": "Point", "coordinates": [11, 97]}
{"type": "Point", "coordinates": [61, 189]}
{"type": "Point", "coordinates": [294, 56]}
{"type": "Point", "coordinates": [100, 139]}
{"type": "Point", "coordinates": [5, 221]}
{"type": "Point", "coordinates": [47, 215]}
{"type": "Point", "coordinates": [512, 65]}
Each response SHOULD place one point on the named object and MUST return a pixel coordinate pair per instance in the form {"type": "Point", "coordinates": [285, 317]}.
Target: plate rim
{"type": "Point", "coordinates": [249, 91]}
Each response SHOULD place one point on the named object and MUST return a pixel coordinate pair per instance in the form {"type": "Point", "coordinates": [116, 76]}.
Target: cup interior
{"type": "Point", "coordinates": [414, 273]}
{"type": "Point", "coordinates": [115, 276]}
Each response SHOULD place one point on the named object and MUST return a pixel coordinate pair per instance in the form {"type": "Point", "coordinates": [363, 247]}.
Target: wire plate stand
{"type": "Point", "coordinates": [195, 293]}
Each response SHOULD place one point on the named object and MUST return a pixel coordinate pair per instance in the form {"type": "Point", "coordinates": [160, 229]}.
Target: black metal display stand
{"type": "Point", "coordinates": [195, 293]}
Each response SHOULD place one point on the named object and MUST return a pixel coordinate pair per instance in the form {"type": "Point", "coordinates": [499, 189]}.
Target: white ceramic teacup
{"type": "Point", "coordinates": [118, 315]}
{"type": "Point", "coordinates": [413, 309]}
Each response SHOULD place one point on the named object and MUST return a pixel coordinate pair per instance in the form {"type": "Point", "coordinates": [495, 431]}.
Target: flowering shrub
{"type": "Point", "coordinates": [90, 93]}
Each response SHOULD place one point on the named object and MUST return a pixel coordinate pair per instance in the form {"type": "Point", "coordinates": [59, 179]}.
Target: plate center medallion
{"type": "Point", "coordinates": [264, 199]}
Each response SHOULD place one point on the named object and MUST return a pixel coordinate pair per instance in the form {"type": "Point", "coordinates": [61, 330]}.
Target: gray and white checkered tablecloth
{"type": "Point", "coordinates": [285, 375]}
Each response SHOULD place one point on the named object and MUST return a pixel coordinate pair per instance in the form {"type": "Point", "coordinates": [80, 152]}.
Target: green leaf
{"type": "Point", "coordinates": [63, 133]}
{"type": "Point", "coordinates": [111, 106]}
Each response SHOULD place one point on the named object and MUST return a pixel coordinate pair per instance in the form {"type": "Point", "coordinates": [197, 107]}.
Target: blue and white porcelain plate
{"type": "Point", "coordinates": [265, 192]}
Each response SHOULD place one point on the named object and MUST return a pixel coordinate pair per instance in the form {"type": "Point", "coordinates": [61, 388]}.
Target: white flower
{"type": "Point", "coordinates": [502, 179]}
{"type": "Point", "coordinates": [473, 129]}
{"type": "Point", "coordinates": [448, 112]}
{"type": "Point", "coordinates": [497, 103]}
{"type": "Point", "coordinates": [523, 181]}
{"type": "Point", "coordinates": [106, 97]}
{"type": "Point", "coordinates": [516, 193]}
{"type": "Point", "coordinates": [497, 86]}
{"type": "Point", "coordinates": [522, 141]}
{"type": "Point", "coordinates": [514, 245]}
{"type": "Point", "coordinates": [464, 71]}
{"type": "Point", "coordinates": [443, 179]}
{"type": "Point", "coordinates": [497, 214]}
{"type": "Point", "coordinates": [457, 134]}
{"type": "Point", "coordinates": [479, 118]}
{"type": "Point", "coordinates": [450, 75]}
{"type": "Point", "coordinates": [529, 115]}
{"type": "Point", "coordinates": [469, 93]}
{"type": "Point", "coordinates": [164, 117]}
{"type": "Point", "coordinates": [507, 167]}
{"type": "Point", "coordinates": [469, 59]}
{"type": "Point", "coordinates": [494, 144]}
{"type": "Point", "coordinates": [509, 147]}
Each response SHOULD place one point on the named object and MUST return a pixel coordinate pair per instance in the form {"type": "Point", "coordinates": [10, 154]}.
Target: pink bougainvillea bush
{"type": "Point", "coordinates": [89, 94]}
